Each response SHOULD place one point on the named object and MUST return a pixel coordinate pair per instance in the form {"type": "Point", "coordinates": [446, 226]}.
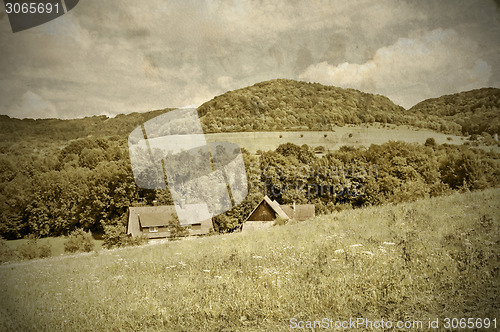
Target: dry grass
{"type": "Point", "coordinates": [347, 135]}
{"type": "Point", "coordinates": [431, 258]}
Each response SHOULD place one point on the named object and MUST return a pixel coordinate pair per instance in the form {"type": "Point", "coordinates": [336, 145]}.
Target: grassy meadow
{"type": "Point", "coordinates": [432, 258]}
{"type": "Point", "coordinates": [332, 140]}
{"type": "Point", "coordinates": [56, 244]}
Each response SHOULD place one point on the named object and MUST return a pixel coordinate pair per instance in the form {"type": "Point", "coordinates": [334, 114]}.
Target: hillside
{"type": "Point", "coordinates": [407, 262]}
{"type": "Point", "coordinates": [476, 111]}
{"type": "Point", "coordinates": [286, 105]}
{"type": "Point", "coordinates": [56, 130]}
{"type": "Point", "coordinates": [282, 105]}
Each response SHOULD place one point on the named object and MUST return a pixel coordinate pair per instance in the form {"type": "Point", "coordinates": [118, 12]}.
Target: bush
{"type": "Point", "coordinates": [44, 250]}
{"type": "Point", "coordinates": [79, 241]}
{"type": "Point", "coordinates": [32, 249]}
{"type": "Point", "coordinates": [279, 221]}
{"type": "Point", "coordinates": [177, 231]}
{"type": "Point", "coordinates": [430, 142]}
{"type": "Point", "coordinates": [115, 236]}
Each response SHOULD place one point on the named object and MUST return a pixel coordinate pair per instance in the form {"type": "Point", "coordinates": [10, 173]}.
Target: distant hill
{"type": "Point", "coordinates": [12, 129]}
{"type": "Point", "coordinates": [476, 111]}
{"type": "Point", "coordinates": [283, 104]}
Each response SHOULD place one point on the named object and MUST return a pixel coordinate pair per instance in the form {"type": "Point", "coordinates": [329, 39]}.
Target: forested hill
{"type": "Point", "coordinates": [282, 104]}
{"type": "Point", "coordinates": [49, 130]}
{"type": "Point", "coordinates": [476, 111]}
{"type": "Point", "coordinates": [290, 105]}
{"type": "Point", "coordinates": [286, 105]}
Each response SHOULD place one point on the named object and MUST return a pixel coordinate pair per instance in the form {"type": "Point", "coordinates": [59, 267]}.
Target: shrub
{"type": "Point", "coordinates": [115, 236]}
{"type": "Point", "coordinates": [136, 240]}
{"type": "Point", "coordinates": [430, 142]}
{"type": "Point", "coordinates": [44, 250]}
{"type": "Point", "coordinates": [79, 240]}
{"type": "Point", "coordinates": [176, 230]}
{"type": "Point", "coordinates": [31, 249]}
{"type": "Point", "coordinates": [279, 221]}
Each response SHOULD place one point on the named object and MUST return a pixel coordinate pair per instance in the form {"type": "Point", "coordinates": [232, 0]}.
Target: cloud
{"type": "Point", "coordinates": [412, 69]}
{"type": "Point", "coordinates": [111, 57]}
{"type": "Point", "coordinates": [33, 105]}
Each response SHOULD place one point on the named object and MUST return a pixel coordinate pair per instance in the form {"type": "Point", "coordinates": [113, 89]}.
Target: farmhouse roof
{"type": "Point", "coordinates": [151, 216]}
{"type": "Point", "coordinates": [299, 212]}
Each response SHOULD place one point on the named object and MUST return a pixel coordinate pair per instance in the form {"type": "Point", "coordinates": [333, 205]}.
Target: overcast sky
{"type": "Point", "coordinates": [118, 56]}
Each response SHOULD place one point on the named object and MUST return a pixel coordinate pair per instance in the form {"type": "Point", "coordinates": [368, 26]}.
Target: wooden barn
{"type": "Point", "coordinates": [156, 221]}
{"type": "Point", "coordinates": [267, 211]}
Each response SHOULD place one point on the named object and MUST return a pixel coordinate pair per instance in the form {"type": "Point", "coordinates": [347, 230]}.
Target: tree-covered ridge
{"type": "Point", "coordinates": [289, 105]}
{"type": "Point", "coordinates": [279, 105]}
{"type": "Point", "coordinates": [50, 130]}
{"type": "Point", "coordinates": [476, 111]}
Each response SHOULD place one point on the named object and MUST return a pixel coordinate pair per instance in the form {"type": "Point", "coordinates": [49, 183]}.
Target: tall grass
{"type": "Point", "coordinates": [432, 258]}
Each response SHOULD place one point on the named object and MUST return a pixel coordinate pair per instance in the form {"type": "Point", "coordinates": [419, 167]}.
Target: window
{"type": "Point", "coordinates": [153, 229]}
{"type": "Point", "coordinates": [196, 227]}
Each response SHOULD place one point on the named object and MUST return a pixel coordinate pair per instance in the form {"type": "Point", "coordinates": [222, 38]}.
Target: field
{"type": "Point", "coordinates": [408, 262]}
{"type": "Point", "coordinates": [56, 244]}
{"type": "Point", "coordinates": [347, 135]}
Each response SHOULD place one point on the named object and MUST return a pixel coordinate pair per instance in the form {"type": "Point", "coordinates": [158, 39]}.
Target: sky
{"type": "Point", "coordinates": [122, 56]}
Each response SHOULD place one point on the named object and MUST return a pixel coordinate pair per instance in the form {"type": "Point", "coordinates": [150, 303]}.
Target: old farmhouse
{"type": "Point", "coordinates": [267, 211]}
{"type": "Point", "coordinates": [156, 221]}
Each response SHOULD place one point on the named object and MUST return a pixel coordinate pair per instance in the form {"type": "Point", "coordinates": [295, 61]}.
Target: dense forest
{"type": "Point", "coordinates": [60, 175]}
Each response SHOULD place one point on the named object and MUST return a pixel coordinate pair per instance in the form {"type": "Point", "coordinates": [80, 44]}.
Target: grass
{"type": "Point", "coordinates": [331, 140]}
{"type": "Point", "coordinates": [432, 258]}
{"type": "Point", "coordinates": [56, 244]}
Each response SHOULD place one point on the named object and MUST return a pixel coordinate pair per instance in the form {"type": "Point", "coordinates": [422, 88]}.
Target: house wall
{"type": "Point", "coordinates": [250, 226]}
{"type": "Point", "coordinates": [206, 227]}
{"type": "Point", "coordinates": [263, 213]}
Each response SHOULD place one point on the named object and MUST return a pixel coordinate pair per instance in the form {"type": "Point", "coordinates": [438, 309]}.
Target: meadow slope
{"type": "Point", "coordinates": [428, 259]}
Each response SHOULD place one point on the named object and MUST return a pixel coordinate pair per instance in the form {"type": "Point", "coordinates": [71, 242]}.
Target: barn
{"type": "Point", "coordinates": [267, 211]}
{"type": "Point", "coordinates": [156, 221]}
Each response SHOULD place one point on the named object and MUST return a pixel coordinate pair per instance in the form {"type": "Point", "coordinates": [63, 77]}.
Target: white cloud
{"type": "Point", "coordinates": [436, 63]}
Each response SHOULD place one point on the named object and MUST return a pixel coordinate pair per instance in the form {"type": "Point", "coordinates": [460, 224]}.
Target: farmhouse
{"type": "Point", "coordinates": [267, 211]}
{"type": "Point", "coordinates": [157, 221]}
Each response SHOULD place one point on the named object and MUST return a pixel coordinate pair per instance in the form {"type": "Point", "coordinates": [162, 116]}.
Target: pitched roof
{"type": "Point", "coordinates": [191, 214]}
{"type": "Point", "coordinates": [274, 205]}
{"type": "Point", "coordinates": [150, 216]}
{"type": "Point", "coordinates": [150, 219]}
{"type": "Point", "coordinates": [299, 212]}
